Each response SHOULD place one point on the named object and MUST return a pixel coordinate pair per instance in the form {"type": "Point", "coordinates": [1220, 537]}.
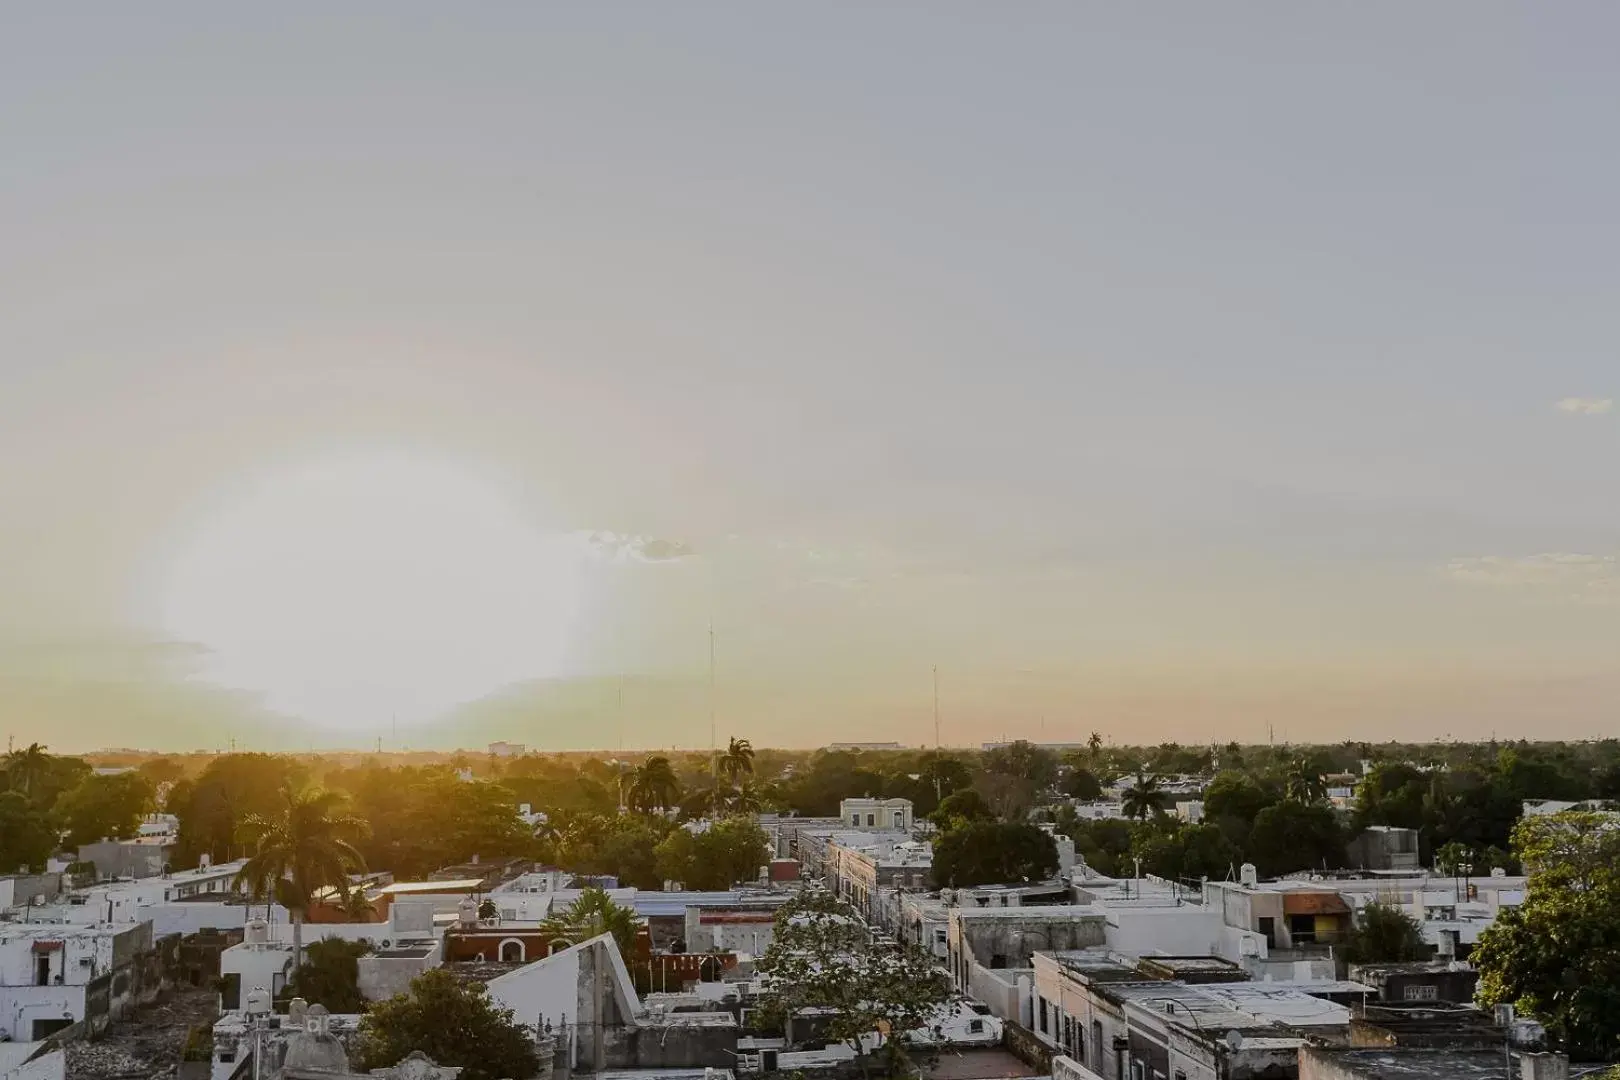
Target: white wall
{"type": "Point", "coordinates": [20, 1006]}
{"type": "Point", "coordinates": [1189, 930]}
{"type": "Point", "coordinates": [548, 988]}
{"type": "Point", "coordinates": [51, 1066]}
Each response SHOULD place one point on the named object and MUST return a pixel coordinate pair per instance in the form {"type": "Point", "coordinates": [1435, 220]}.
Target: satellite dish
{"type": "Point", "coordinates": [1234, 1039]}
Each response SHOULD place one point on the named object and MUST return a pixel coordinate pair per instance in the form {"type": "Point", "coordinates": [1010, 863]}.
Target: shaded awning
{"type": "Point", "coordinates": [1314, 903]}
{"type": "Point", "coordinates": [48, 945]}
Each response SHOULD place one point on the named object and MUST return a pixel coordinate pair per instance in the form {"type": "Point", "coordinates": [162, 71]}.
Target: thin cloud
{"type": "Point", "coordinates": [1586, 406]}
{"type": "Point", "coordinates": [619, 547]}
{"type": "Point", "coordinates": [1585, 578]}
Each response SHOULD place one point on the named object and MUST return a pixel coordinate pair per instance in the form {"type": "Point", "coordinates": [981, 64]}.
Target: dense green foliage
{"type": "Point", "coordinates": [1557, 956]}
{"type": "Point", "coordinates": [448, 1021]}
{"type": "Point", "coordinates": [993, 852]}
{"type": "Point", "coordinates": [331, 975]}
{"type": "Point", "coordinates": [724, 854]}
{"type": "Point", "coordinates": [1384, 935]}
{"type": "Point", "coordinates": [592, 914]}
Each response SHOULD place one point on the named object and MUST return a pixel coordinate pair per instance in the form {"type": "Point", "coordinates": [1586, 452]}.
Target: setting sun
{"type": "Point", "coordinates": [377, 589]}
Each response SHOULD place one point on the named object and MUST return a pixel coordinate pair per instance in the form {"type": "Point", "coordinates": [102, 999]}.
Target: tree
{"type": "Point", "coordinates": [1082, 784]}
{"type": "Point", "coordinates": [26, 767]}
{"type": "Point", "coordinates": [1304, 783]}
{"type": "Point", "coordinates": [1143, 797]}
{"type": "Point", "coordinates": [26, 837]}
{"type": "Point", "coordinates": [231, 788]}
{"type": "Point", "coordinates": [1105, 845]}
{"type": "Point", "coordinates": [331, 975]}
{"type": "Point", "coordinates": [449, 1021]}
{"type": "Point", "coordinates": [306, 847]}
{"type": "Point", "coordinates": [943, 775]}
{"type": "Point", "coordinates": [1094, 743]}
{"type": "Point", "coordinates": [1556, 957]}
{"type": "Point", "coordinates": [993, 853]}
{"type": "Point", "coordinates": [1289, 836]}
{"type": "Point", "coordinates": [746, 799]}
{"type": "Point", "coordinates": [105, 806]}
{"type": "Point", "coordinates": [822, 957]}
{"type": "Point", "coordinates": [592, 914]}
{"type": "Point", "coordinates": [1233, 800]}
{"type": "Point", "coordinates": [737, 761]}
{"type": "Point", "coordinates": [1384, 935]}
{"type": "Point", "coordinates": [1014, 774]}
{"type": "Point", "coordinates": [654, 786]}
{"type": "Point", "coordinates": [960, 808]}
{"type": "Point", "coordinates": [716, 857]}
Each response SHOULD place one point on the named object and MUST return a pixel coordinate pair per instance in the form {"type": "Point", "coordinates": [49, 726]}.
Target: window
{"type": "Point", "coordinates": [1043, 1014]}
{"type": "Point", "coordinates": [975, 1027]}
{"type": "Point", "coordinates": [998, 960]}
{"type": "Point", "coordinates": [855, 820]}
{"type": "Point", "coordinates": [871, 819]}
{"type": "Point", "coordinates": [1180, 1075]}
{"type": "Point", "coordinates": [899, 820]}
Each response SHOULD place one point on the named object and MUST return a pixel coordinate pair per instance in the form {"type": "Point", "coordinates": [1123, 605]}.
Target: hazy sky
{"type": "Point", "coordinates": [1167, 372]}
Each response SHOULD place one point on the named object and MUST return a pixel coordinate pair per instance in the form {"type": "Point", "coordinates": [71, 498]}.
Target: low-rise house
{"type": "Point", "coordinates": [991, 950]}
{"type": "Point", "coordinates": [1384, 847]}
{"type": "Point", "coordinates": [1102, 1011]}
{"type": "Point", "coordinates": [1435, 980]}
{"type": "Point", "coordinates": [54, 976]}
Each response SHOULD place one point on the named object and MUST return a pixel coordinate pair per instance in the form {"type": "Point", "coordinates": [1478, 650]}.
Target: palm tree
{"type": "Point", "coordinates": [1095, 744]}
{"type": "Point", "coordinates": [746, 800]}
{"type": "Point", "coordinates": [654, 787]}
{"type": "Point", "coordinates": [1304, 784]}
{"type": "Point", "coordinates": [592, 914]}
{"type": "Point", "coordinates": [308, 845]}
{"type": "Point", "coordinates": [25, 767]}
{"type": "Point", "coordinates": [738, 760]}
{"type": "Point", "coordinates": [1143, 797]}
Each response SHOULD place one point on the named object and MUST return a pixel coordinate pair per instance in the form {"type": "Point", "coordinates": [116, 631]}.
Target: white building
{"type": "Point", "coordinates": [52, 977]}
{"type": "Point", "coordinates": [877, 814]}
{"type": "Point", "coordinates": [507, 749]}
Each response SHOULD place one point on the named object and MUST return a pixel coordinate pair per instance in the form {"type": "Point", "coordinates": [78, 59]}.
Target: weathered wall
{"type": "Point", "coordinates": [1028, 1048]}
{"type": "Point", "coordinates": [665, 1046]}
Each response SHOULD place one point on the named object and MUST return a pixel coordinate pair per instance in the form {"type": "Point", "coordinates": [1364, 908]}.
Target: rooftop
{"type": "Point", "coordinates": [406, 887]}
{"type": "Point", "coordinates": [1412, 1064]}
{"type": "Point", "coordinates": [1042, 913]}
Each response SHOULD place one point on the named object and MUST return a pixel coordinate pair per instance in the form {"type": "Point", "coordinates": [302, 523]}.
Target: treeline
{"type": "Point", "coordinates": [1265, 804]}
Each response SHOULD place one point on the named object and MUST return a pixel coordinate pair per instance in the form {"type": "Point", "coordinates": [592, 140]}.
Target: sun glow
{"type": "Point", "coordinates": [379, 589]}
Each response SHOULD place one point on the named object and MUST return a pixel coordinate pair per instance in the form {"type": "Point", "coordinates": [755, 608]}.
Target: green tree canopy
{"type": "Point", "coordinates": [1384, 935]}
{"type": "Point", "coordinates": [1290, 836]}
{"type": "Point", "coordinates": [1556, 957]}
{"type": "Point", "coordinates": [1082, 784]}
{"type": "Point", "coordinates": [718, 857]}
{"type": "Point", "coordinates": [105, 807]}
{"type": "Point", "coordinates": [1014, 774]}
{"type": "Point", "coordinates": [27, 838]}
{"type": "Point", "coordinates": [331, 975]}
{"type": "Point", "coordinates": [960, 808]}
{"type": "Point", "coordinates": [592, 914]}
{"type": "Point", "coordinates": [993, 853]}
{"type": "Point", "coordinates": [453, 1023]}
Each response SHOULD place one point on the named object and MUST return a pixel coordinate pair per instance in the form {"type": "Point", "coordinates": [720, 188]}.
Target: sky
{"type": "Point", "coordinates": [436, 376]}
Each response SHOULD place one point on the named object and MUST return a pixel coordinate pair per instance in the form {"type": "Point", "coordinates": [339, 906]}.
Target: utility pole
{"type": "Point", "coordinates": [936, 706]}
{"type": "Point", "coordinates": [714, 743]}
